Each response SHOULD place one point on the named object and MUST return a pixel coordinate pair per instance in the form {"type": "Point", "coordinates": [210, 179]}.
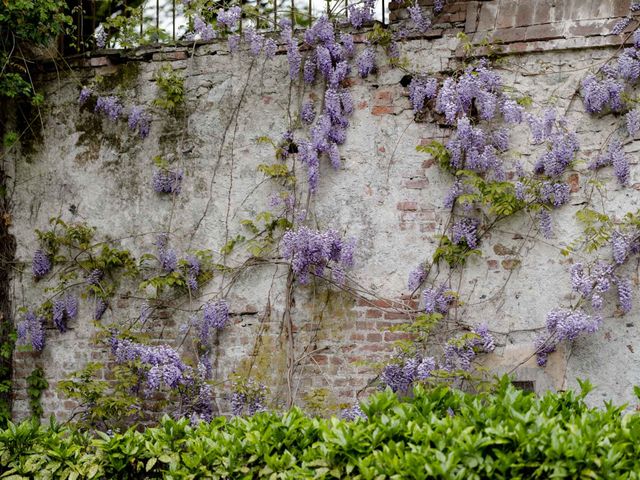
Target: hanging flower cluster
{"type": "Point", "coordinates": [311, 251]}
{"type": "Point", "coordinates": [31, 330]}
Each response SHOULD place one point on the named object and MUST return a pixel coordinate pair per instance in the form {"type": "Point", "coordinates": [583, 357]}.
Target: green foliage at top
{"type": "Point", "coordinates": [24, 24]}
{"type": "Point", "coordinates": [437, 433]}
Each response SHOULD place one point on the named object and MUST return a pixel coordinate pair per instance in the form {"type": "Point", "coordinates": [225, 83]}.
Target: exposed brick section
{"type": "Point", "coordinates": [170, 56]}
{"type": "Point", "coordinates": [523, 24]}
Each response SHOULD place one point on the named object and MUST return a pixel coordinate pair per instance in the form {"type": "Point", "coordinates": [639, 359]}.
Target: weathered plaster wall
{"type": "Point", "coordinates": [85, 168]}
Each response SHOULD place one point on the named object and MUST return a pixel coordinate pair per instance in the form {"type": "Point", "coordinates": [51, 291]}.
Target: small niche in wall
{"type": "Point", "coordinates": [525, 385]}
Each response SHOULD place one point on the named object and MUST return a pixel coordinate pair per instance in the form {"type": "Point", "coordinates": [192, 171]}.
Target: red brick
{"type": "Point", "coordinates": [487, 17]}
{"type": "Point", "coordinates": [379, 110]}
{"type": "Point", "coordinates": [471, 20]}
{"type": "Point", "coordinates": [574, 182]}
{"type": "Point", "coordinates": [506, 15]}
{"type": "Point", "coordinates": [161, 56]}
{"type": "Point", "coordinates": [396, 316]}
{"type": "Point", "coordinates": [374, 337]}
{"type": "Point", "coordinates": [510, 35]}
{"type": "Point", "coordinates": [525, 13]}
{"type": "Point", "coordinates": [373, 314]}
{"type": "Point", "coordinates": [492, 264]}
{"type": "Point", "coordinates": [362, 105]}
{"type": "Point", "coordinates": [407, 206]}
{"type": "Point", "coordinates": [417, 184]}
{"type": "Point", "coordinates": [384, 97]}
{"type": "Point", "coordinates": [544, 32]}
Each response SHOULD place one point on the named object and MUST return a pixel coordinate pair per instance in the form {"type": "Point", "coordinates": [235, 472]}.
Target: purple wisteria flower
{"type": "Point", "coordinates": [438, 300]}
{"type": "Point", "coordinates": [94, 276]}
{"type": "Point", "coordinates": [625, 294]}
{"type": "Point", "coordinates": [545, 223]}
{"type": "Point", "coordinates": [101, 308]}
{"type": "Point", "coordinates": [167, 181]}
{"type": "Point", "coordinates": [564, 325]}
{"type": "Point", "coordinates": [614, 156]}
{"type": "Point", "coordinates": [204, 29]}
{"type": "Point", "coordinates": [415, 12]}
{"type": "Point", "coordinates": [109, 106]}
{"type": "Point", "coordinates": [401, 374]}
{"type": "Point", "coordinates": [359, 15]}
{"type": "Point", "coordinates": [255, 41]}
{"type": "Point", "coordinates": [248, 399]}
{"type": "Point", "coordinates": [307, 113]}
{"type": "Point", "coordinates": [193, 270]}
{"type": "Point", "coordinates": [139, 120]}
{"type": "Point", "coordinates": [366, 62]}
{"type": "Point", "coordinates": [234, 43]}
{"type": "Point", "coordinates": [620, 25]}
{"type": "Point", "coordinates": [215, 316]}
{"type": "Point", "coordinates": [100, 37]}
{"type": "Point", "coordinates": [353, 413]}
{"type": "Point", "coordinates": [633, 121]}
{"type": "Point", "coordinates": [420, 90]}
{"type": "Point", "coordinates": [85, 93]}
{"type": "Point", "coordinates": [460, 352]}
{"type": "Point", "coordinates": [31, 330]}
{"type": "Point", "coordinates": [41, 264]}
{"type": "Point", "coordinates": [161, 364]}
{"type": "Point", "coordinates": [465, 229]}
{"type": "Point", "coordinates": [416, 277]}
{"type": "Point", "coordinates": [229, 18]}
{"type": "Point", "coordinates": [310, 251]}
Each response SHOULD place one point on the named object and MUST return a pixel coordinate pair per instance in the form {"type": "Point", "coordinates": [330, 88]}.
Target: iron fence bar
{"type": "Point", "coordinates": [157, 20]}
{"type": "Point", "coordinates": [383, 20]}
{"type": "Point", "coordinates": [310, 11]}
{"type": "Point", "coordinates": [173, 11]}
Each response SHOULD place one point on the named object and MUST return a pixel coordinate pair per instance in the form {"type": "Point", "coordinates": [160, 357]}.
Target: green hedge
{"type": "Point", "coordinates": [439, 433]}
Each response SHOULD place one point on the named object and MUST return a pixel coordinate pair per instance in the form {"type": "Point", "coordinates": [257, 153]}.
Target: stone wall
{"type": "Point", "coordinates": [83, 168]}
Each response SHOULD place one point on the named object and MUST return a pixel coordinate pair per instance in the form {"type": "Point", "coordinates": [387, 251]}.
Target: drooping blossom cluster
{"type": "Point", "coordinates": [139, 120]}
{"type": "Point", "coordinates": [31, 330]}
{"type": "Point", "coordinates": [85, 94]}
{"type": "Point", "coordinates": [248, 398]}
{"type": "Point", "coordinates": [161, 364]}
{"type": "Point", "coordinates": [593, 284]}
{"type": "Point", "coordinates": [564, 325]}
{"type": "Point", "coordinates": [64, 309]}
{"type": "Point", "coordinates": [193, 270]}
{"type": "Point", "coordinates": [421, 22]}
{"type": "Point", "coordinates": [353, 413]}
{"type": "Point", "coordinates": [465, 230]}
{"type": "Point", "coordinates": [359, 15]}
{"type": "Point", "coordinates": [167, 181]}
{"type": "Point", "coordinates": [421, 90]}
{"type": "Point", "coordinates": [438, 300]}
{"type": "Point", "coordinates": [109, 106]}
{"type": "Point", "coordinates": [401, 374]}
{"type": "Point", "coordinates": [460, 352]}
{"type": "Point", "coordinates": [229, 18]}
{"type": "Point", "coordinates": [478, 87]}
{"type": "Point", "coordinates": [328, 58]}
{"type": "Point", "coordinates": [311, 251]}
{"type": "Point", "coordinates": [167, 257]}
{"type": "Point", "coordinates": [614, 156]}
{"type": "Point", "coordinates": [203, 29]}
{"type": "Point", "coordinates": [100, 37]}
{"type": "Point", "coordinates": [416, 277]}
{"type": "Point", "coordinates": [215, 316]}
{"type": "Point", "coordinates": [41, 264]}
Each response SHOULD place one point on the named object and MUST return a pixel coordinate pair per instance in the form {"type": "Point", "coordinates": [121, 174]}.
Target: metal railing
{"type": "Point", "coordinates": [164, 21]}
